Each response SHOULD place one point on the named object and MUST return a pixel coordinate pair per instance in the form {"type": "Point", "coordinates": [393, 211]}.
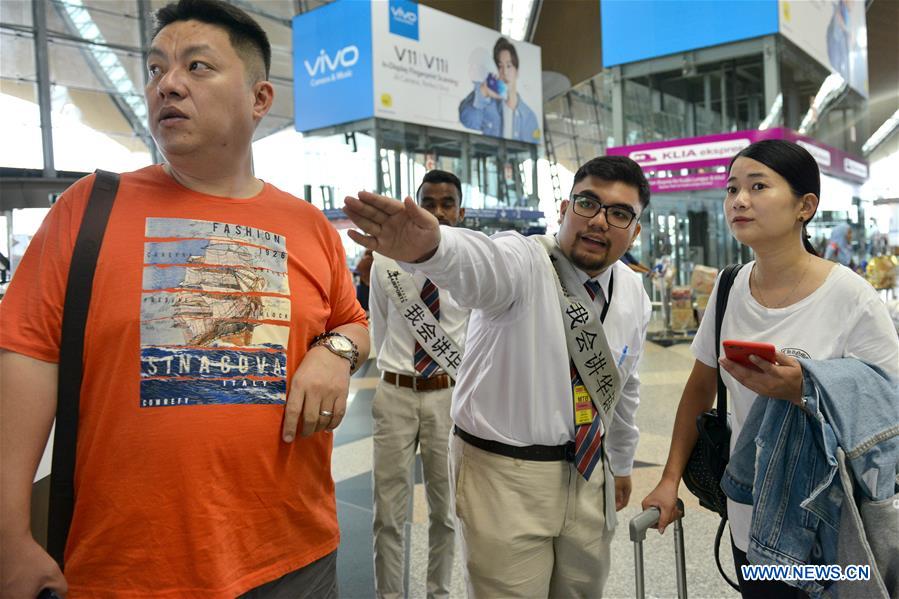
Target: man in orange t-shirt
{"type": "Point", "coordinates": [204, 355]}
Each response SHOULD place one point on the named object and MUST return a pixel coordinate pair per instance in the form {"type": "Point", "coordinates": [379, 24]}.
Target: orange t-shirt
{"type": "Point", "coordinates": [202, 309]}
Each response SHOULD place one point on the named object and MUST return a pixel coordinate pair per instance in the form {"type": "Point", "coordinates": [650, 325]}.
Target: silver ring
{"type": "Point", "coordinates": [326, 413]}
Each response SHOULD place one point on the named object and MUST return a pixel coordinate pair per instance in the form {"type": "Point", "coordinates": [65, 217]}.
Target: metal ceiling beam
{"type": "Point", "coordinates": [136, 123]}
{"type": "Point", "coordinates": [533, 21]}
{"type": "Point", "coordinates": [32, 192]}
{"type": "Point", "coordinates": [254, 9]}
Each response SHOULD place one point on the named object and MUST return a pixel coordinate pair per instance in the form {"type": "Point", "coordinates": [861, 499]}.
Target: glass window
{"type": "Point", "coordinates": [702, 100]}
{"type": "Point", "coordinates": [25, 223]}
{"type": "Point", "coordinates": [98, 108]}
{"type": "Point", "coordinates": [17, 12]}
{"type": "Point", "coordinates": [20, 118]}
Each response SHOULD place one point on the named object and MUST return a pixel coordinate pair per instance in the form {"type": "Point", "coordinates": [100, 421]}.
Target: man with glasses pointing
{"type": "Point", "coordinates": [547, 391]}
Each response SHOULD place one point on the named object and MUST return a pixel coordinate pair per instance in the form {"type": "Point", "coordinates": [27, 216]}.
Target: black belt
{"type": "Point", "coordinates": [534, 453]}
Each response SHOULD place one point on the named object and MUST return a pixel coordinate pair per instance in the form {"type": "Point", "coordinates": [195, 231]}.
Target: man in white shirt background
{"type": "Point", "coordinates": [536, 519]}
{"type": "Point", "coordinates": [411, 406]}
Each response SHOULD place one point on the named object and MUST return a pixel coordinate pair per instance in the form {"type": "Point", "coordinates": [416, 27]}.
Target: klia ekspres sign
{"type": "Point", "coordinates": [664, 161]}
{"type": "Point", "coordinates": [399, 60]}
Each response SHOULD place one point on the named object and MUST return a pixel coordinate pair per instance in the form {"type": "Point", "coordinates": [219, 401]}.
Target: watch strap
{"type": "Point", "coordinates": [353, 354]}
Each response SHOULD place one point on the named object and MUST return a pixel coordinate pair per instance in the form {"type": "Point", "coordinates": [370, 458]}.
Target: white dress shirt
{"type": "Point", "coordinates": [514, 382]}
{"type": "Point", "coordinates": [391, 334]}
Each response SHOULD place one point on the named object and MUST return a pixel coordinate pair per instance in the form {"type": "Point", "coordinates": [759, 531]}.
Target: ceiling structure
{"type": "Point", "coordinates": [96, 67]}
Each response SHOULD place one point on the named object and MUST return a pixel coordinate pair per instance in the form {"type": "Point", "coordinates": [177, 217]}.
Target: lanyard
{"type": "Point", "coordinates": [605, 309]}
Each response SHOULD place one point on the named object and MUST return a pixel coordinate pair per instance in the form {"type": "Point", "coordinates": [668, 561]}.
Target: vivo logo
{"type": "Point", "coordinates": [344, 58]}
{"type": "Point", "coordinates": [407, 18]}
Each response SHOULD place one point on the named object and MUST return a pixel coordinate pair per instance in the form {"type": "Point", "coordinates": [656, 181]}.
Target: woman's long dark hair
{"type": "Point", "coordinates": [792, 162]}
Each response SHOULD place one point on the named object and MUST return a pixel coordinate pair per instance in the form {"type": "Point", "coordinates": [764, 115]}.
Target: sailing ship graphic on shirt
{"type": "Point", "coordinates": [215, 314]}
{"type": "Point", "coordinates": [200, 311]}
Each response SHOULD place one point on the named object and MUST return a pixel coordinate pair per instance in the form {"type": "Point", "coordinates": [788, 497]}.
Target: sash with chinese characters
{"type": "Point", "coordinates": [425, 328]}
{"type": "Point", "coordinates": [587, 344]}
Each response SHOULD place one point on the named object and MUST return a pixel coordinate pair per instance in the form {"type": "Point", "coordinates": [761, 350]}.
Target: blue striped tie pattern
{"type": "Point", "coordinates": [587, 439]}
{"type": "Point", "coordinates": [425, 364]}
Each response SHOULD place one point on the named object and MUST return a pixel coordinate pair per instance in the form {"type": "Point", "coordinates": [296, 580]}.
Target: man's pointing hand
{"type": "Point", "coordinates": [400, 230]}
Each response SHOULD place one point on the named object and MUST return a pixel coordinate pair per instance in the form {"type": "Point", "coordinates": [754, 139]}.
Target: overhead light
{"type": "Point", "coordinates": [106, 58]}
{"type": "Point", "coordinates": [832, 88]}
{"type": "Point", "coordinates": [515, 17]}
{"type": "Point", "coordinates": [884, 131]}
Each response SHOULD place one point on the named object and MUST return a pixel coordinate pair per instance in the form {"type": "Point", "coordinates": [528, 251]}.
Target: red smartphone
{"type": "Point", "coordinates": [739, 352]}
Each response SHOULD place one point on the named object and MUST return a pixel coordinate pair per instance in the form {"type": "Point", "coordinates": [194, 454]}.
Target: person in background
{"type": "Point", "coordinates": [218, 350]}
{"type": "Point", "coordinates": [633, 263]}
{"type": "Point", "coordinates": [805, 306]}
{"type": "Point", "coordinates": [411, 407]}
{"type": "Point", "coordinates": [363, 273]}
{"type": "Point", "coordinates": [839, 248]}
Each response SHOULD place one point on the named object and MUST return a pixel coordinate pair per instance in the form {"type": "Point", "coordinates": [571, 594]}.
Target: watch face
{"type": "Point", "coordinates": [340, 344]}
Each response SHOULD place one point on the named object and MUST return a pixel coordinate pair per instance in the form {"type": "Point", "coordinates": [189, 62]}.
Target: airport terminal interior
{"type": "Point", "coordinates": [373, 94]}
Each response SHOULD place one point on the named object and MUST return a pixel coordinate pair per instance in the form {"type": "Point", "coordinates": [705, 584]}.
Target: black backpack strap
{"type": "Point", "coordinates": [724, 284]}
{"type": "Point", "coordinates": [71, 354]}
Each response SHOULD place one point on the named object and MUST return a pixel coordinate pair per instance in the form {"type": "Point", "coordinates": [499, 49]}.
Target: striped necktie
{"type": "Point", "coordinates": [425, 364]}
{"type": "Point", "coordinates": [587, 437]}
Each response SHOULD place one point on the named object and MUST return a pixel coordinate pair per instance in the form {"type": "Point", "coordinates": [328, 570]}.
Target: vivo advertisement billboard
{"type": "Point", "coordinates": [407, 62]}
{"type": "Point", "coordinates": [332, 74]}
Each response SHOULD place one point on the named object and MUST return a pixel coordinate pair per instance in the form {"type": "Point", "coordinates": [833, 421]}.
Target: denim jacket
{"type": "Point", "coordinates": [784, 462]}
{"type": "Point", "coordinates": [486, 114]}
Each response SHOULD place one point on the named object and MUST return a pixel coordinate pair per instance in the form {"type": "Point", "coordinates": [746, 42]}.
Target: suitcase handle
{"type": "Point", "coordinates": [638, 527]}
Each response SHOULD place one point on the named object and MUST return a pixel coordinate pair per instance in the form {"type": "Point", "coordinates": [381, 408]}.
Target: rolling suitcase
{"type": "Point", "coordinates": [638, 527]}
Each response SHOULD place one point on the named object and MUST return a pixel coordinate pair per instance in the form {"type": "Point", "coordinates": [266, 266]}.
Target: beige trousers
{"type": "Point", "coordinates": [529, 529]}
{"type": "Point", "coordinates": [403, 419]}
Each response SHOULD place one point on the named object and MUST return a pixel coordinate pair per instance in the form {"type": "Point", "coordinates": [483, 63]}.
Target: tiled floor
{"type": "Point", "coordinates": [663, 372]}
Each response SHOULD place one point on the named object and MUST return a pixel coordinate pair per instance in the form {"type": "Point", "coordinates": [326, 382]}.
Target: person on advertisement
{"type": "Point", "coordinates": [495, 107]}
{"type": "Point", "coordinates": [218, 351]}
{"type": "Point", "coordinates": [783, 298]}
{"type": "Point", "coordinates": [547, 392]}
{"type": "Point", "coordinates": [411, 406]}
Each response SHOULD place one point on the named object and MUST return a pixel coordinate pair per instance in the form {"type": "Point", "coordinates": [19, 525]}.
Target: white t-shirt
{"type": "Point", "coordinates": [843, 318]}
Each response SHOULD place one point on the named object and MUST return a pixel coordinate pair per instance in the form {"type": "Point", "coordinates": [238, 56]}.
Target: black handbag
{"type": "Point", "coordinates": [710, 455]}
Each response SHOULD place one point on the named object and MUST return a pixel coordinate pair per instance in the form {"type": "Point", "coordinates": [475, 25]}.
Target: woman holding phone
{"type": "Point", "coordinates": [788, 296]}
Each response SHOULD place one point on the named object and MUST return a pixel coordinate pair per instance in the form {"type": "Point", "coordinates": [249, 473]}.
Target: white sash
{"type": "Point", "coordinates": [589, 350]}
{"type": "Point", "coordinates": [587, 344]}
{"type": "Point", "coordinates": [425, 328]}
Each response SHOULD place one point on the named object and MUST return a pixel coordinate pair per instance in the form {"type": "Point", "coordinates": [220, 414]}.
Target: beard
{"type": "Point", "coordinates": [589, 263]}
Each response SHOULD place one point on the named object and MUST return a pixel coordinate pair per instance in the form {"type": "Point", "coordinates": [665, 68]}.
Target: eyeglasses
{"type": "Point", "coordinates": [617, 216]}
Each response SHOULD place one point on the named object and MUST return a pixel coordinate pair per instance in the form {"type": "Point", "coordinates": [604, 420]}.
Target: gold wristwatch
{"type": "Point", "coordinates": [338, 344]}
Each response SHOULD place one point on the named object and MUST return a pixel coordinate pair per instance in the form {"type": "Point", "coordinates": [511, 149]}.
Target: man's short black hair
{"type": "Point", "coordinates": [247, 37]}
{"type": "Point", "coordinates": [438, 176]}
{"type": "Point", "coordinates": [504, 44]}
{"type": "Point", "coordinates": [616, 168]}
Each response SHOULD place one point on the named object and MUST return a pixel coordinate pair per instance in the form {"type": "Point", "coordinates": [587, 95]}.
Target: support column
{"type": "Point", "coordinates": [617, 107]}
{"type": "Point", "coordinates": [42, 66]}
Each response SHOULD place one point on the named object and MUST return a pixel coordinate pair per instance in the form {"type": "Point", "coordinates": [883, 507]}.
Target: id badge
{"type": "Point", "coordinates": [583, 406]}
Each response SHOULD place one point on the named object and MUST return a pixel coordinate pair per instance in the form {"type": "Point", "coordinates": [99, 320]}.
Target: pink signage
{"type": "Point", "coordinates": [711, 151]}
